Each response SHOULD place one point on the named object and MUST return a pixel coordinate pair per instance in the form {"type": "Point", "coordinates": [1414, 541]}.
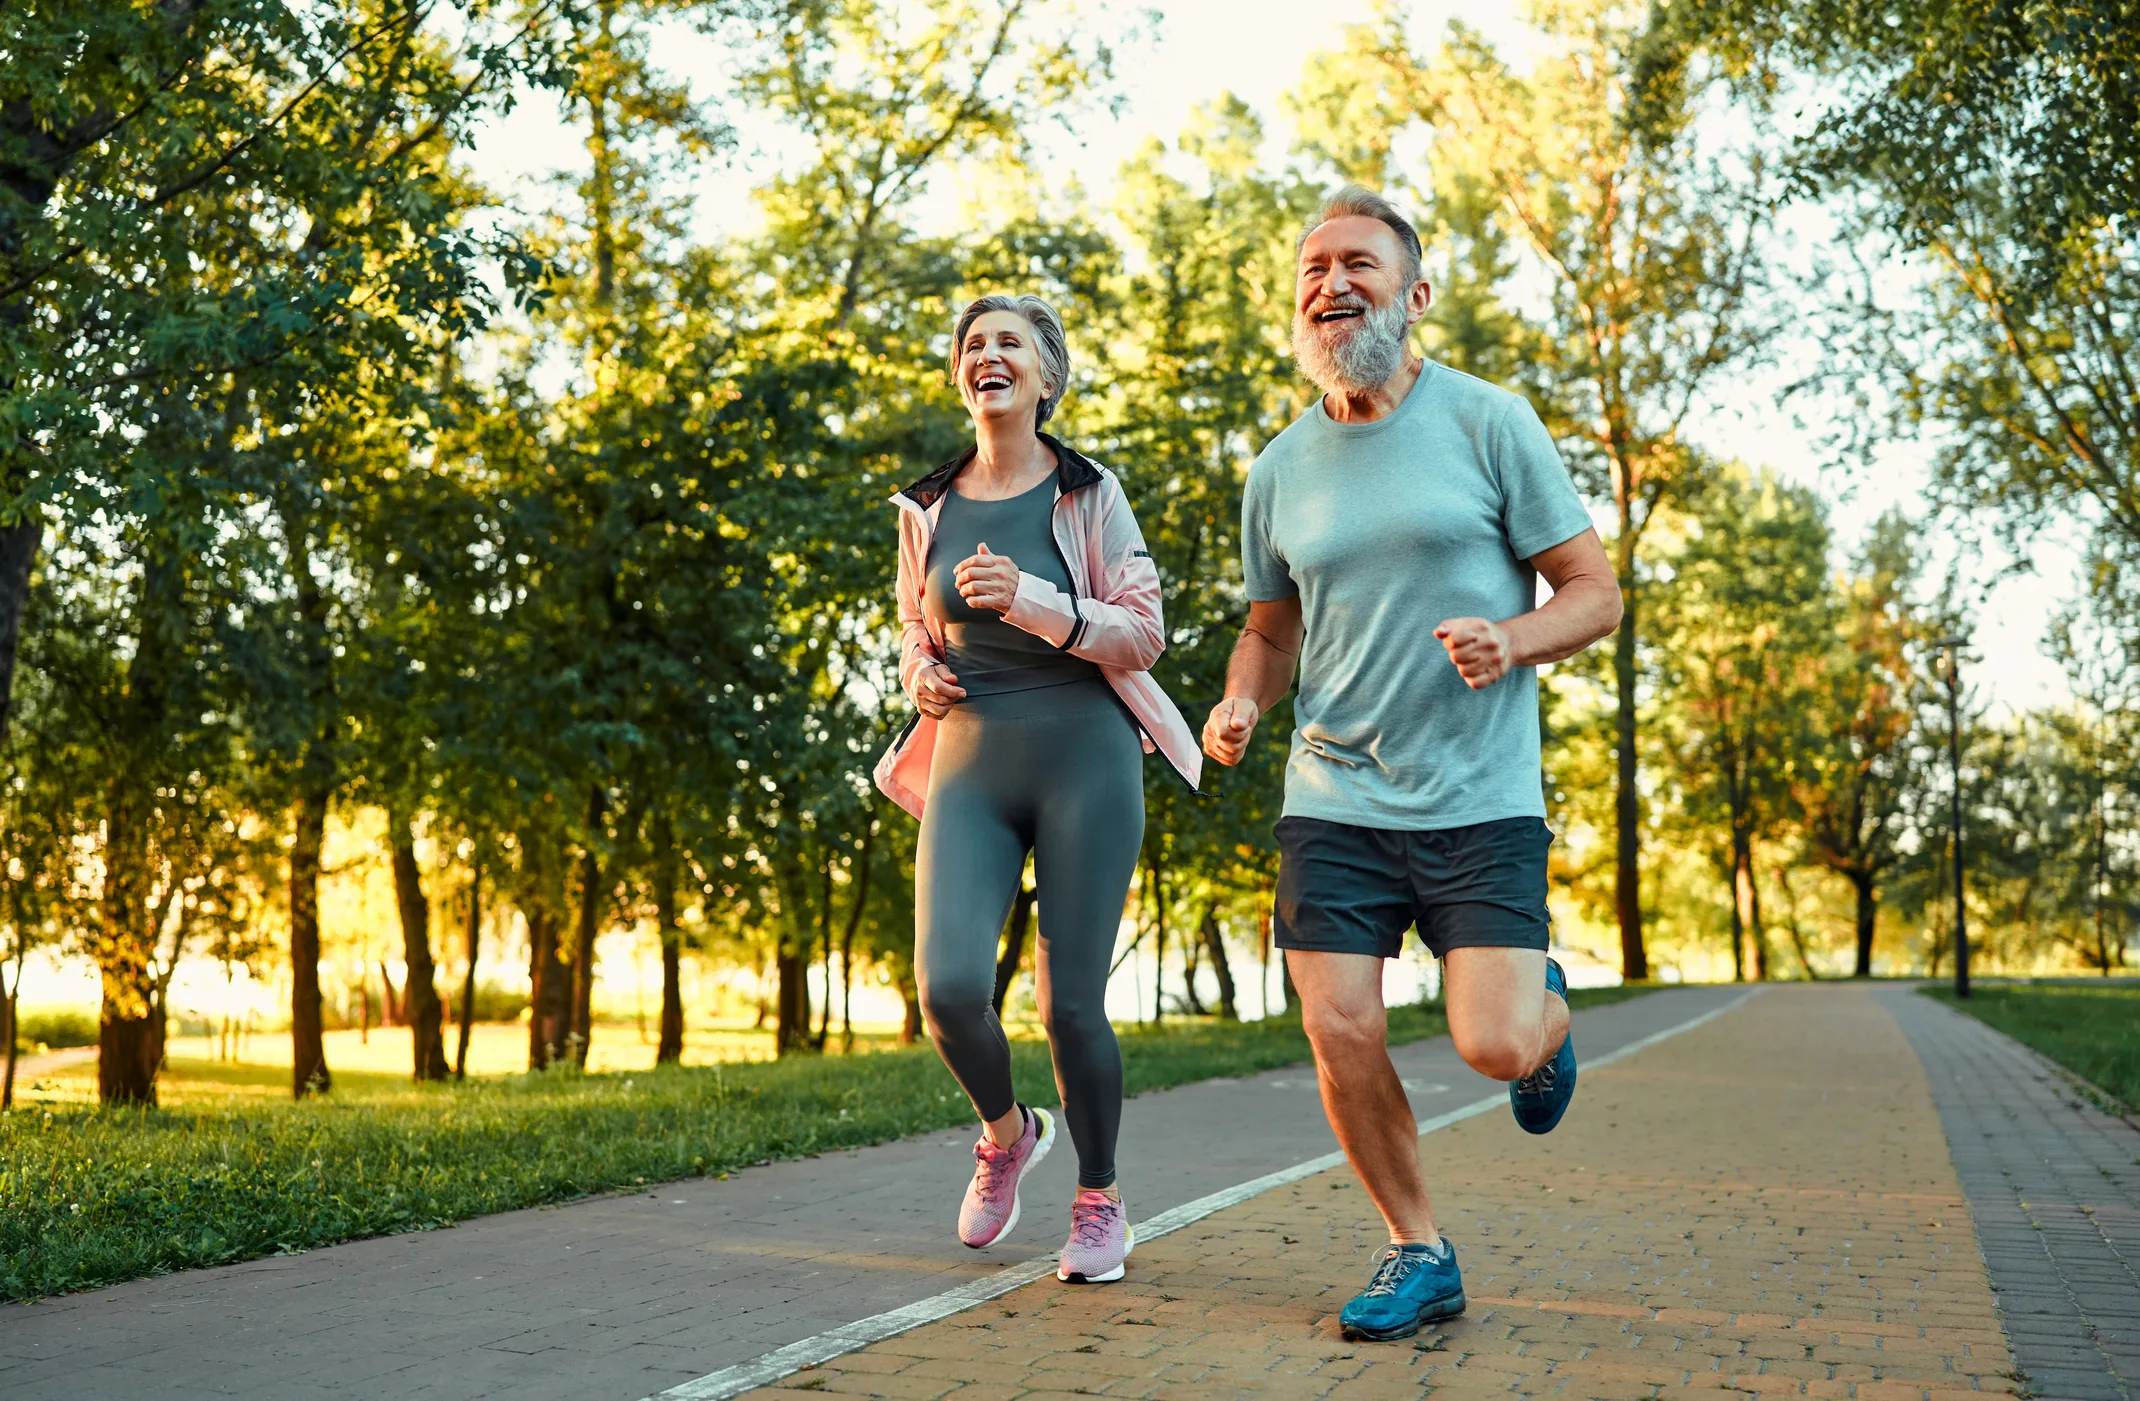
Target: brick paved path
{"type": "Point", "coordinates": [614, 1298]}
{"type": "Point", "coordinates": [1764, 1204]}
{"type": "Point", "coordinates": [2055, 1188]}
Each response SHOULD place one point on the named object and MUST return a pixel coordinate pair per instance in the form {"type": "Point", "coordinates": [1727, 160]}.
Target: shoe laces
{"type": "Point", "coordinates": [996, 1165]}
{"type": "Point", "coordinates": [1542, 1080]}
{"type": "Point", "coordinates": [1092, 1218]}
{"type": "Point", "coordinates": [1396, 1267]}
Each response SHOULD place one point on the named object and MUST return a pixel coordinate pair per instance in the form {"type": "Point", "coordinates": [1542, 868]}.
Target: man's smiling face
{"type": "Point", "coordinates": [1352, 305]}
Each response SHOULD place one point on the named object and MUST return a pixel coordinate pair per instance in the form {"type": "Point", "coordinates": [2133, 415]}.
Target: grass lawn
{"type": "Point", "coordinates": [2092, 1031]}
{"type": "Point", "coordinates": [227, 1171]}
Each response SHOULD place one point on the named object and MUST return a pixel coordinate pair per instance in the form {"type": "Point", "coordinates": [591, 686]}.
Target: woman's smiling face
{"type": "Point", "coordinates": [1000, 375]}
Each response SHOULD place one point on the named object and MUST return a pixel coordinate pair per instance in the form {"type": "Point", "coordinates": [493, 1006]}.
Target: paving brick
{"type": "Point", "coordinates": [1661, 1241]}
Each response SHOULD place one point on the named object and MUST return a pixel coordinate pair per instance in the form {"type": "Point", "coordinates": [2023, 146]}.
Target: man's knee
{"type": "Point", "coordinates": [1504, 1052]}
{"type": "Point", "coordinates": [1342, 1030]}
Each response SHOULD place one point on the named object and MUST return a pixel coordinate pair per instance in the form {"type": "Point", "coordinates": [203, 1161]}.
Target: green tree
{"type": "Point", "coordinates": [1745, 626]}
{"type": "Point", "coordinates": [1863, 765]}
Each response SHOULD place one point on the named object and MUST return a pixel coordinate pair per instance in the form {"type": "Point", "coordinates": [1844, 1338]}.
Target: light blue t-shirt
{"type": "Point", "coordinates": [1385, 529]}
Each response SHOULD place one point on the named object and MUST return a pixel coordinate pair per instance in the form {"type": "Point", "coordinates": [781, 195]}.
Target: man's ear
{"type": "Point", "coordinates": [1420, 298]}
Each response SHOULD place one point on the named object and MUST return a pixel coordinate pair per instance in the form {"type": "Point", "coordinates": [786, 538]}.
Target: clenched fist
{"type": "Point", "coordinates": [936, 690]}
{"type": "Point", "coordinates": [1226, 733]}
{"type": "Point", "coordinates": [987, 581]}
{"type": "Point", "coordinates": [1481, 650]}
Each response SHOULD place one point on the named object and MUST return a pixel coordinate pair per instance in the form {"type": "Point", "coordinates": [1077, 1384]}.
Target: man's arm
{"type": "Point", "coordinates": [1585, 606]}
{"type": "Point", "coordinates": [1257, 678]}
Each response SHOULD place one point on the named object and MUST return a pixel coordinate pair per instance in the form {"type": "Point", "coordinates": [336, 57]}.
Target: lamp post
{"type": "Point", "coordinates": [1952, 645]}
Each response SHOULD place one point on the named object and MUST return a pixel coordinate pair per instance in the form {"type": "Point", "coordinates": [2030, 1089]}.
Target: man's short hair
{"type": "Point", "coordinates": [1357, 201]}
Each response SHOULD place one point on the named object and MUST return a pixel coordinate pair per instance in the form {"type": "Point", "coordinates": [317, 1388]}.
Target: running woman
{"type": "Point", "coordinates": [1031, 616]}
{"type": "Point", "coordinates": [1391, 540]}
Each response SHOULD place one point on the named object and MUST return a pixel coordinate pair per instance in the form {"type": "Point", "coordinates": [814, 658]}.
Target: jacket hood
{"type": "Point", "coordinates": [1072, 470]}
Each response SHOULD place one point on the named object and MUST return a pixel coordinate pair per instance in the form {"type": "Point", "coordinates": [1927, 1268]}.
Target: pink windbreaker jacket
{"type": "Point", "coordinates": [1111, 616]}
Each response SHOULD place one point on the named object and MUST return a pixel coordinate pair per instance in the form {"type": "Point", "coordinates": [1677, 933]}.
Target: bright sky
{"type": "Point", "coordinates": [1255, 49]}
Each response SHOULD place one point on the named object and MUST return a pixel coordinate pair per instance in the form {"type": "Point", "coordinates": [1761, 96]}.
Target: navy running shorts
{"type": "Point", "coordinates": [1346, 889]}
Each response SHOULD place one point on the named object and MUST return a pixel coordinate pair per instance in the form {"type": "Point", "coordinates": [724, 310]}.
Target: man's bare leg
{"type": "Point", "coordinates": [1504, 1021]}
{"type": "Point", "coordinates": [1341, 1009]}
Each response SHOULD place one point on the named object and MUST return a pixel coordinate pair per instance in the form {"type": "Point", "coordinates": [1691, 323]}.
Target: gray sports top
{"type": "Point", "coordinates": [986, 654]}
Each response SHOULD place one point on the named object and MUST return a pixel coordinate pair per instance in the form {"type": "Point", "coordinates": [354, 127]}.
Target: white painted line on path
{"type": "Point", "coordinates": [836, 1342]}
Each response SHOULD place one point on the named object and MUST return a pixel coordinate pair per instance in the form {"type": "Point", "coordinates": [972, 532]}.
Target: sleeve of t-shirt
{"type": "Point", "coordinates": [1263, 569]}
{"type": "Point", "coordinates": [1540, 507]}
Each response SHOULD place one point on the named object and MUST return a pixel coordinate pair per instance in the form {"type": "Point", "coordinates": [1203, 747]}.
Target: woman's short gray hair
{"type": "Point", "coordinates": [1048, 339]}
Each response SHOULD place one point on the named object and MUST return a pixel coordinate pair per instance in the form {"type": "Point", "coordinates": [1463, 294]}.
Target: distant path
{"type": "Point", "coordinates": [621, 1297]}
{"type": "Point", "coordinates": [44, 1062]}
{"type": "Point", "coordinates": [2055, 1187]}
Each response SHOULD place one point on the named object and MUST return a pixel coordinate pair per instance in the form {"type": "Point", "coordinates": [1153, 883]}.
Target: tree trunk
{"type": "Point", "coordinates": [420, 1008]}
{"type": "Point", "coordinates": [315, 790]}
{"type": "Point", "coordinates": [391, 1010]}
{"type": "Point", "coordinates": [126, 1071]}
{"type": "Point", "coordinates": [1215, 945]}
{"type": "Point", "coordinates": [125, 932]}
{"type": "Point", "coordinates": [1011, 952]}
{"type": "Point", "coordinates": [468, 980]}
{"type": "Point", "coordinates": [670, 1048]}
{"type": "Point", "coordinates": [1868, 909]}
{"type": "Point", "coordinates": [791, 1023]}
{"type": "Point", "coordinates": [19, 544]}
{"type": "Point", "coordinates": [1753, 909]}
{"type": "Point", "coordinates": [824, 942]}
{"type": "Point", "coordinates": [1737, 877]}
{"type": "Point", "coordinates": [1159, 942]}
{"type": "Point", "coordinates": [1627, 799]}
{"type": "Point", "coordinates": [550, 1015]}
{"type": "Point", "coordinates": [10, 1021]}
{"type": "Point", "coordinates": [1742, 878]}
{"type": "Point", "coordinates": [910, 1028]}
{"type": "Point", "coordinates": [847, 936]}
{"type": "Point", "coordinates": [1798, 935]}
{"type": "Point", "coordinates": [308, 1069]}
{"type": "Point", "coordinates": [590, 919]}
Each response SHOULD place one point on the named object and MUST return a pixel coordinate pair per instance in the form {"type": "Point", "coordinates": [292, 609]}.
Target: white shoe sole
{"type": "Point", "coordinates": [1110, 1277]}
{"type": "Point", "coordinates": [1040, 1150]}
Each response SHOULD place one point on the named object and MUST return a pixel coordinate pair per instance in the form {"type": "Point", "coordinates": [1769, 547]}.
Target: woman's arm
{"type": "Point", "coordinates": [1121, 623]}
{"type": "Point", "coordinates": [922, 673]}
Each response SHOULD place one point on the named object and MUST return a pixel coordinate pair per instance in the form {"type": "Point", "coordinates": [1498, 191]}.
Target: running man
{"type": "Point", "coordinates": [1391, 538]}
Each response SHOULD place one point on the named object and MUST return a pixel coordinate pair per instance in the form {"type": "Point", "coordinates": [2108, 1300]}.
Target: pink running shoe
{"type": "Point", "coordinates": [991, 1205]}
{"type": "Point", "coordinates": [1100, 1239]}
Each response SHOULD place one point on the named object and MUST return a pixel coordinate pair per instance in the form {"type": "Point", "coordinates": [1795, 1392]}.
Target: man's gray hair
{"type": "Point", "coordinates": [1357, 201]}
{"type": "Point", "coordinates": [1048, 339]}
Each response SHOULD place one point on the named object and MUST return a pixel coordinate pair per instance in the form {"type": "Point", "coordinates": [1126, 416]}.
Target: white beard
{"type": "Point", "coordinates": [1350, 357]}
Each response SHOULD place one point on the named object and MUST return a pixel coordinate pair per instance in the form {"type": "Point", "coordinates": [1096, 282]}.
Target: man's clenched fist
{"type": "Point", "coordinates": [1226, 733]}
{"type": "Point", "coordinates": [1481, 650]}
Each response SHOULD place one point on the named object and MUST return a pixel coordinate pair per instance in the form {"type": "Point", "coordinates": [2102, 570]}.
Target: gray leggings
{"type": "Point", "coordinates": [1057, 772]}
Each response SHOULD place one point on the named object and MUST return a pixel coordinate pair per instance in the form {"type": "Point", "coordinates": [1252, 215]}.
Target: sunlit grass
{"type": "Point", "coordinates": [2093, 1031]}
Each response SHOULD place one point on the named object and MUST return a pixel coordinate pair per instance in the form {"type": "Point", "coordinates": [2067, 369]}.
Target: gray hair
{"type": "Point", "coordinates": [1359, 201]}
{"type": "Point", "coordinates": [1048, 339]}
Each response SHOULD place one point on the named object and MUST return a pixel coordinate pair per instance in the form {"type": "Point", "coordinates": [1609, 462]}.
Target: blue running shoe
{"type": "Point", "coordinates": [1542, 1096]}
{"type": "Point", "coordinates": [1414, 1285]}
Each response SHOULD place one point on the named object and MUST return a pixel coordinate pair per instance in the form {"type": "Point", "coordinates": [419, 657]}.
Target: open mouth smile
{"type": "Point", "coordinates": [988, 383]}
{"type": "Point", "coordinates": [1343, 313]}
